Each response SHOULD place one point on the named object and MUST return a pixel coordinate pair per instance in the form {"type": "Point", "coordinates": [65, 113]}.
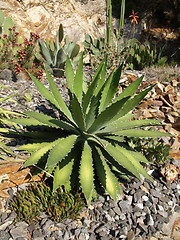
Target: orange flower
{"type": "Point", "coordinates": [134, 17]}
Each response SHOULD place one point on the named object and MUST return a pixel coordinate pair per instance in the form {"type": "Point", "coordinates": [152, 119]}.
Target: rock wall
{"type": "Point", "coordinates": [44, 16]}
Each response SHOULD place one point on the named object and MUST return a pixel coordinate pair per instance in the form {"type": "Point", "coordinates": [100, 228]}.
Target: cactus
{"type": "Point", "coordinates": [95, 47]}
{"type": "Point", "coordinates": [5, 24]}
{"type": "Point", "coordinates": [55, 53]}
{"type": "Point", "coordinates": [1, 21]}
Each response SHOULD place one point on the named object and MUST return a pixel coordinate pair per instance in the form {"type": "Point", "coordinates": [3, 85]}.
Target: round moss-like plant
{"type": "Point", "coordinates": [38, 198]}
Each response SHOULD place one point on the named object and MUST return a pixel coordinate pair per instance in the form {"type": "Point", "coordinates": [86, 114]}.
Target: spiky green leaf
{"type": "Point", "coordinates": [36, 156]}
{"type": "Point", "coordinates": [93, 110]}
{"type": "Point", "coordinates": [69, 75]}
{"type": "Point", "coordinates": [45, 92]}
{"type": "Point", "coordinates": [117, 154]}
{"type": "Point", "coordinates": [132, 103]}
{"type": "Point", "coordinates": [78, 81]}
{"type": "Point", "coordinates": [63, 171]}
{"type": "Point", "coordinates": [139, 156]}
{"type": "Point", "coordinates": [101, 79]}
{"type": "Point", "coordinates": [141, 133]}
{"type": "Point", "coordinates": [110, 88]}
{"type": "Point", "coordinates": [86, 173]}
{"type": "Point", "coordinates": [49, 121]}
{"type": "Point", "coordinates": [32, 147]}
{"type": "Point", "coordinates": [90, 92]}
{"type": "Point", "coordinates": [107, 115]}
{"type": "Point", "coordinates": [130, 90]}
{"type": "Point", "coordinates": [135, 162]}
{"type": "Point", "coordinates": [46, 52]}
{"type": "Point", "coordinates": [78, 113]}
{"type": "Point", "coordinates": [107, 178]}
{"type": "Point", "coordinates": [119, 125]}
{"type": "Point", "coordinates": [60, 150]}
{"type": "Point", "coordinates": [58, 97]}
{"type": "Point", "coordinates": [26, 121]}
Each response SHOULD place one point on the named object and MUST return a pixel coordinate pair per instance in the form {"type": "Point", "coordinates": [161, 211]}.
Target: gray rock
{"type": "Point", "coordinates": [129, 199]}
{"type": "Point", "coordinates": [131, 235]}
{"type": "Point", "coordinates": [18, 232]}
{"type": "Point", "coordinates": [149, 220]}
{"type": "Point", "coordinates": [139, 205]}
{"type": "Point", "coordinates": [57, 234]}
{"type": "Point", "coordinates": [122, 216]}
{"type": "Point", "coordinates": [46, 226]}
{"type": "Point", "coordinates": [145, 198]}
{"type": "Point", "coordinates": [112, 213]}
{"type": "Point", "coordinates": [12, 216]}
{"type": "Point", "coordinates": [49, 238]}
{"type": "Point", "coordinates": [86, 222]}
{"type": "Point", "coordinates": [4, 235]}
{"type": "Point", "coordinates": [156, 193]}
{"type": "Point", "coordinates": [82, 236]}
{"type": "Point", "coordinates": [125, 206]}
{"type": "Point", "coordinates": [117, 210]}
{"type": "Point", "coordinates": [6, 74]}
{"type": "Point", "coordinates": [66, 235]}
{"type": "Point", "coordinates": [177, 208]}
{"type": "Point", "coordinates": [138, 195]}
{"type": "Point", "coordinates": [31, 228]}
{"type": "Point", "coordinates": [3, 216]}
{"type": "Point", "coordinates": [4, 225]}
{"type": "Point", "coordinates": [37, 234]}
{"type": "Point", "coordinates": [92, 236]}
{"type": "Point", "coordinates": [108, 218]}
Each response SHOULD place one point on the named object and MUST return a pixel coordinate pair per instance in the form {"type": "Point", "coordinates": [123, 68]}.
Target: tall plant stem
{"type": "Point", "coordinates": [108, 22]}
{"type": "Point", "coordinates": [121, 21]}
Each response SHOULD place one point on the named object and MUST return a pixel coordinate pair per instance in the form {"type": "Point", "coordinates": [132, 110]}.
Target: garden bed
{"type": "Point", "coordinates": [144, 209]}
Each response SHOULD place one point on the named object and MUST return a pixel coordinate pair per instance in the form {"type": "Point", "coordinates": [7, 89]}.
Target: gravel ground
{"type": "Point", "coordinates": [144, 210]}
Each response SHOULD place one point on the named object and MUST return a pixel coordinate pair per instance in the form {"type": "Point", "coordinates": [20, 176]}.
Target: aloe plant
{"type": "Point", "coordinates": [87, 141]}
{"type": "Point", "coordinates": [55, 52]}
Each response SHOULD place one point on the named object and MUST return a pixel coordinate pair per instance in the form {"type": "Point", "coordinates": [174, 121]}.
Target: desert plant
{"type": "Point", "coordinates": [139, 55]}
{"type": "Point", "coordinates": [95, 46]}
{"type": "Point", "coordinates": [38, 198]}
{"type": "Point", "coordinates": [152, 148]}
{"type": "Point", "coordinates": [110, 44]}
{"type": "Point", "coordinates": [55, 53]}
{"type": "Point", "coordinates": [88, 140]}
{"type": "Point", "coordinates": [17, 54]}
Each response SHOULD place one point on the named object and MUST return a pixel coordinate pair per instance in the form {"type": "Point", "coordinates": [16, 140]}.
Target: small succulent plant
{"type": "Point", "coordinates": [55, 53]}
{"type": "Point", "coordinates": [38, 198]}
{"type": "Point", "coordinates": [87, 142]}
{"type": "Point", "coordinates": [152, 148]}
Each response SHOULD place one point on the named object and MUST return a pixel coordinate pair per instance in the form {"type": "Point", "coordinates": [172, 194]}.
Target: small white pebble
{"type": "Point", "coordinates": [145, 198]}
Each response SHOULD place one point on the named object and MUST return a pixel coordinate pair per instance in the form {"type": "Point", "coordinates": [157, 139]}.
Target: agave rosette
{"type": "Point", "coordinates": [88, 142]}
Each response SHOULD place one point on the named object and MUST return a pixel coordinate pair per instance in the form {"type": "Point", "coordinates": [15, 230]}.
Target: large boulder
{"type": "Point", "coordinates": [43, 17]}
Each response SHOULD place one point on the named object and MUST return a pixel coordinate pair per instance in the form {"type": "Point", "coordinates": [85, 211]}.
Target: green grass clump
{"type": "Point", "coordinates": [30, 203]}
